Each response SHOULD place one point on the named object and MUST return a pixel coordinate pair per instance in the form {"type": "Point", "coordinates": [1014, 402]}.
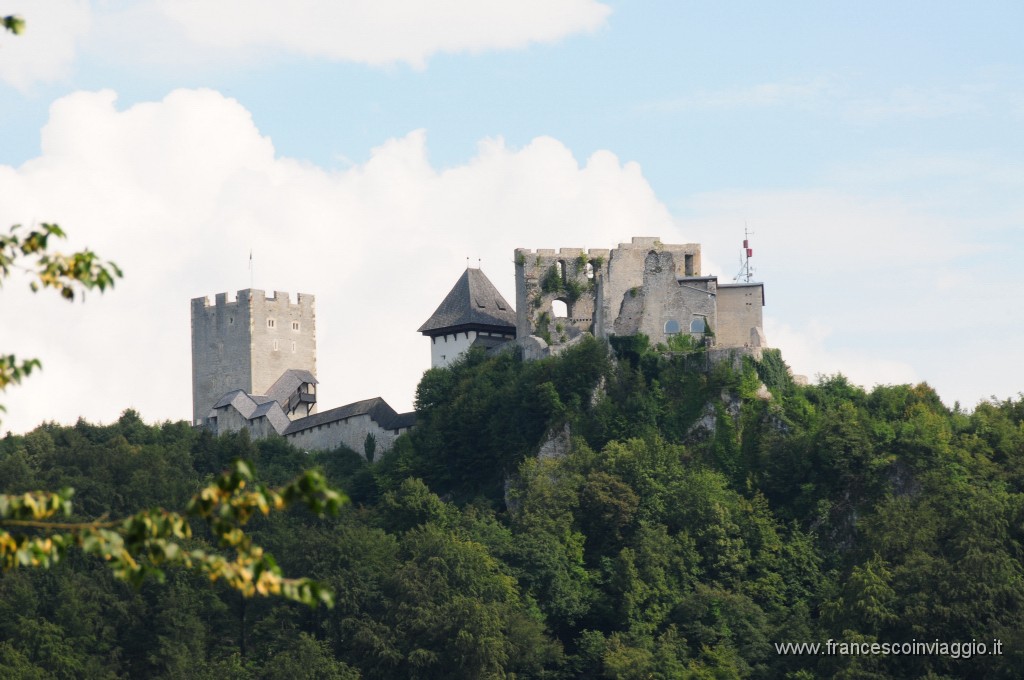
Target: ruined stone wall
{"type": "Point", "coordinates": [569, 276]}
{"type": "Point", "coordinates": [663, 305]}
{"type": "Point", "coordinates": [739, 311]}
{"type": "Point", "coordinates": [619, 291]}
{"type": "Point", "coordinates": [627, 269]}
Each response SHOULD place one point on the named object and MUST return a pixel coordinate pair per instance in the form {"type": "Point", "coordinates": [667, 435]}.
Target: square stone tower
{"type": "Point", "coordinates": [247, 343]}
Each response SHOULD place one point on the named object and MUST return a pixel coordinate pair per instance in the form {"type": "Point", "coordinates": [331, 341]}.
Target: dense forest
{"type": "Point", "coordinates": [680, 521]}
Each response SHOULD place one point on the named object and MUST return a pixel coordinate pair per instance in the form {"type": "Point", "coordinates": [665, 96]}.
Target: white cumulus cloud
{"type": "Point", "coordinates": [381, 32]}
{"type": "Point", "coordinates": [882, 287]}
{"type": "Point", "coordinates": [46, 50]}
{"type": "Point", "coordinates": [178, 191]}
{"type": "Point", "coordinates": [806, 349]}
{"type": "Point", "coordinates": [181, 34]}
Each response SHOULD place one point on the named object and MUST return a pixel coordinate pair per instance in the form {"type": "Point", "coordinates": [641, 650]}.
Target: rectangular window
{"type": "Point", "coordinates": [275, 345]}
{"type": "Point", "coordinates": [293, 347]}
{"type": "Point", "coordinates": [270, 323]}
{"type": "Point", "coordinates": [295, 325]}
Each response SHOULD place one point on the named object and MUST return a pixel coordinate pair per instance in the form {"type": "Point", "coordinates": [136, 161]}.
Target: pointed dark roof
{"type": "Point", "coordinates": [473, 303]}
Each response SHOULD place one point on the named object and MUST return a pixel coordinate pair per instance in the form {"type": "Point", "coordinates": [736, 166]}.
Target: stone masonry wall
{"type": "Point", "coordinates": [221, 360]}
{"type": "Point", "coordinates": [663, 305]}
{"type": "Point", "coordinates": [605, 291]}
{"type": "Point", "coordinates": [569, 275]}
{"type": "Point", "coordinates": [282, 346]}
{"type": "Point", "coordinates": [739, 310]}
{"type": "Point", "coordinates": [230, 420]}
{"type": "Point", "coordinates": [351, 432]}
{"type": "Point", "coordinates": [627, 269]}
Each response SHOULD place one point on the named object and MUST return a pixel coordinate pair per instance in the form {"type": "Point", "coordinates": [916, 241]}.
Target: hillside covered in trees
{"type": "Point", "coordinates": [679, 523]}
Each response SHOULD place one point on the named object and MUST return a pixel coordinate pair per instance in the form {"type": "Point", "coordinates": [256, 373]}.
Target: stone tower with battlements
{"type": "Point", "coordinates": [248, 343]}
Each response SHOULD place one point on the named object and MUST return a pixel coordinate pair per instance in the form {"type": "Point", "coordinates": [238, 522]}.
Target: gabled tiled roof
{"type": "Point", "coordinates": [253, 406]}
{"type": "Point", "coordinates": [289, 381]}
{"type": "Point", "coordinates": [244, 403]}
{"type": "Point", "coordinates": [472, 302]}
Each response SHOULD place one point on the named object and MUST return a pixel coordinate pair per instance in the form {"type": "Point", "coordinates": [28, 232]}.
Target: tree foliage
{"type": "Point", "coordinates": [151, 540]}
{"type": "Point", "coordinates": [146, 542]}
{"type": "Point", "coordinates": [679, 523]}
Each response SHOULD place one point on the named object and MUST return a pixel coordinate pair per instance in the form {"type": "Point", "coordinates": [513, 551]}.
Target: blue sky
{"type": "Point", "coordinates": [364, 149]}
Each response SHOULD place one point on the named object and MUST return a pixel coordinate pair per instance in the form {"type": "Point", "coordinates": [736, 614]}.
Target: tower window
{"type": "Point", "coordinates": [270, 323]}
{"type": "Point", "coordinates": [275, 345]}
{"type": "Point", "coordinates": [671, 327]}
{"type": "Point", "coordinates": [698, 325]}
{"type": "Point", "coordinates": [293, 347]}
{"type": "Point", "coordinates": [295, 325]}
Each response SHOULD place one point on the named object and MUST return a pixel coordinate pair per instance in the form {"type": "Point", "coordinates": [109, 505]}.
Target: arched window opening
{"type": "Point", "coordinates": [698, 325]}
{"type": "Point", "coordinates": [652, 263]}
{"type": "Point", "coordinates": [671, 327]}
{"type": "Point", "coordinates": [559, 309]}
{"type": "Point", "coordinates": [590, 270]}
{"type": "Point", "coordinates": [560, 268]}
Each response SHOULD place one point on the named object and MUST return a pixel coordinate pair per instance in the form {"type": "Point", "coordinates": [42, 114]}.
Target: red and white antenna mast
{"type": "Point", "coordinates": [746, 271]}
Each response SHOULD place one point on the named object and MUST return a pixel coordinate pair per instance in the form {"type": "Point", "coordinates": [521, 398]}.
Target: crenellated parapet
{"type": "Point", "coordinates": [249, 295]}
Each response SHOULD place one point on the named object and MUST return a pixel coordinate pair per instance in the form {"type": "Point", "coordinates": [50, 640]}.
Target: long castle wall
{"type": "Point", "coordinates": [351, 432]}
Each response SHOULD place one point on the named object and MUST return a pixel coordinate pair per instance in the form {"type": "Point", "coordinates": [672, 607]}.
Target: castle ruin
{"type": "Point", "coordinates": [644, 286]}
{"type": "Point", "coordinates": [254, 357]}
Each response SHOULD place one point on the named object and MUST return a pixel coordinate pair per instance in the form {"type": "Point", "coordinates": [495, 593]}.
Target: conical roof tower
{"type": "Point", "coordinates": [472, 314]}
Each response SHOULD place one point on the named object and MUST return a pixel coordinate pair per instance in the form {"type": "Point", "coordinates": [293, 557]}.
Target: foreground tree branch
{"type": "Point", "coordinates": [146, 543]}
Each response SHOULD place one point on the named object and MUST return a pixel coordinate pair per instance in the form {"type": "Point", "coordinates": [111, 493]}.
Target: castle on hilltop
{"type": "Point", "coordinates": [254, 368]}
{"type": "Point", "coordinates": [254, 357]}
